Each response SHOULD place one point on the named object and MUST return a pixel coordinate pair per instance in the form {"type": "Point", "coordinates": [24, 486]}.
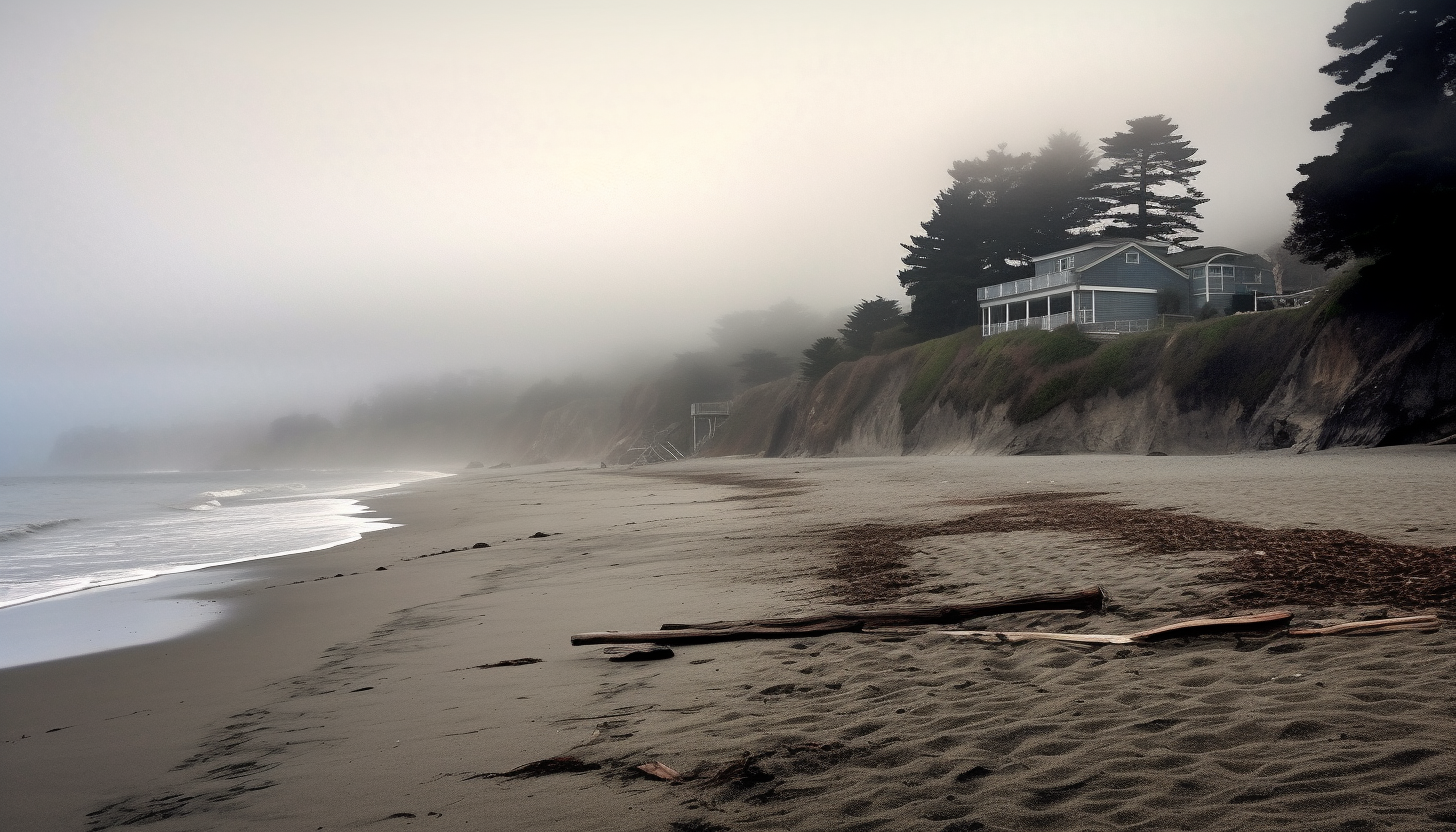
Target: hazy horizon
{"type": "Point", "coordinates": [237, 210]}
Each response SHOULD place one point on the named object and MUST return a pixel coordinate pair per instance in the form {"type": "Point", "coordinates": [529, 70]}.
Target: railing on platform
{"type": "Point", "coordinates": [709, 408]}
{"type": "Point", "coordinates": [1063, 318]}
{"type": "Point", "coordinates": [1038, 322]}
{"type": "Point", "coordinates": [1026, 284]}
{"type": "Point", "coordinates": [1264, 303]}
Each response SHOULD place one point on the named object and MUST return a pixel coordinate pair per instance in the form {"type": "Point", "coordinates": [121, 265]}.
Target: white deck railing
{"type": "Point", "coordinates": [709, 409]}
{"type": "Point", "coordinates": [1025, 284]}
{"type": "Point", "coordinates": [1039, 322]}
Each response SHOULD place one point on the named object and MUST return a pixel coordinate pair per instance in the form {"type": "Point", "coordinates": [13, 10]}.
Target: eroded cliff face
{"type": "Point", "coordinates": [1310, 379]}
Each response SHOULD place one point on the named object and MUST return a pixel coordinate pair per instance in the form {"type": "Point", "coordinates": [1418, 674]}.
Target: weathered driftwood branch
{"type": "Point", "coordinates": [1423, 623]}
{"type": "Point", "coordinates": [724, 634]}
{"type": "Point", "coordinates": [1200, 626]}
{"type": "Point", "coordinates": [1196, 626]}
{"type": "Point", "coordinates": [1090, 598]}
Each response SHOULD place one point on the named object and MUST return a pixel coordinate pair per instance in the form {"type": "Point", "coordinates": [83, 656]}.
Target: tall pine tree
{"type": "Point", "coordinates": [1147, 192]}
{"type": "Point", "coordinates": [1388, 192]}
{"type": "Point", "coordinates": [998, 212]}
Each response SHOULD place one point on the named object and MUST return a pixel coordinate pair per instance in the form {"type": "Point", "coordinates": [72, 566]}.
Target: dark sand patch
{"type": "Point", "coordinates": [872, 561]}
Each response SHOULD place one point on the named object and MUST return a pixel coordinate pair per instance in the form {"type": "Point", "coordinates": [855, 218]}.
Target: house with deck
{"type": "Point", "coordinates": [1120, 284]}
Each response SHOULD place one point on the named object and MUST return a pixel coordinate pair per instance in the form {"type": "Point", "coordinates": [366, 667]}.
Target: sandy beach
{"type": "Point", "coordinates": [351, 688]}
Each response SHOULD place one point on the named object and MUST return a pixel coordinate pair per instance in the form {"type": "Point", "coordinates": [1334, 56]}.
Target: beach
{"type": "Point", "coordinates": [353, 687]}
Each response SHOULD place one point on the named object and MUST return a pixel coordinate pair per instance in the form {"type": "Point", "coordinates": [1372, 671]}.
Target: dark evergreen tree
{"type": "Point", "coordinates": [1151, 173]}
{"type": "Point", "coordinates": [822, 356]}
{"type": "Point", "coordinates": [1388, 192]}
{"type": "Point", "coordinates": [760, 366]}
{"type": "Point", "coordinates": [998, 212]}
{"type": "Point", "coordinates": [967, 243]}
{"type": "Point", "coordinates": [1055, 199]}
{"type": "Point", "coordinates": [868, 318]}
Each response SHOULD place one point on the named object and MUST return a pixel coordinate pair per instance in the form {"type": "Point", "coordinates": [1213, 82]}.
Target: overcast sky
{"type": "Point", "coordinates": [212, 208]}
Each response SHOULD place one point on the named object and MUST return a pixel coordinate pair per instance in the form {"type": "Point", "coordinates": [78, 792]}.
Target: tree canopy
{"type": "Point", "coordinates": [822, 356]}
{"type": "Point", "coordinates": [997, 213]}
{"type": "Point", "coordinates": [1147, 190]}
{"type": "Point", "coordinates": [1389, 189]}
{"type": "Point", "coordinates": [869, 318]}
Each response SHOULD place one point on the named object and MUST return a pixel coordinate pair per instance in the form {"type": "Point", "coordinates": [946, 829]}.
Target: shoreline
{"type": "Point", "coordinates": [85, 584]}
{"type": "Point", "coordinates": [386, 660]}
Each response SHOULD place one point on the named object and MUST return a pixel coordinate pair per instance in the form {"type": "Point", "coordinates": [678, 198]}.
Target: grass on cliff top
{"type": "Point", "coordinates": [932, 360]}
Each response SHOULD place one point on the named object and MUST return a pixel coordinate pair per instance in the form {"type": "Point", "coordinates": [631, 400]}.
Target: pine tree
{"type": "Point", "coordinates": [1388, 192]}
{"type": "Point", "coordinates": [1055, 198]}
{"type": "Point", "coordinates": [967, 243]}
{"type": "Point", "coordinates": [868, 318]}
{"type": "Point", "coordinates": [822, 356]}
{"type": "Point", "coordinates": [1151, 173]}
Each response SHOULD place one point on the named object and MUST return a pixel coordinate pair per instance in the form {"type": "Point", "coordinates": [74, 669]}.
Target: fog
{"type": "Point", "coordinates": [232, 210]}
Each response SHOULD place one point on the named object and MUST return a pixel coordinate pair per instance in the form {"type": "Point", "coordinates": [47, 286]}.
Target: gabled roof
{"type": "Point", "coordinates": [1104, 242]}
{"type": "Point", "coordinates": [1161, 259]}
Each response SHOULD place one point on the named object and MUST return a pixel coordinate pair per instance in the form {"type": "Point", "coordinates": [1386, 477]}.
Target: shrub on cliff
{"type": "Point", "coordinates": [822, 356]}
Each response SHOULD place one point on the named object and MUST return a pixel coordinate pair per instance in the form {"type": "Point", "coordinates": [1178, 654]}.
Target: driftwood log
{"type": "Point", "coordinates": [1090, 598]}
{"type": "Point", "coordinates": [846, 620]}
{"type": "Point", "coordinates": [1420, 623]}
{"type": "Point", "coordinates": [705, 636]}
{"type": "Point", "coordinates": [1192, 627]}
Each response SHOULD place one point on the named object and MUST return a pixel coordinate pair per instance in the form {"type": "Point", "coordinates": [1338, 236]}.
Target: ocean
{"type": "Point", "coordinates": [64, 534]}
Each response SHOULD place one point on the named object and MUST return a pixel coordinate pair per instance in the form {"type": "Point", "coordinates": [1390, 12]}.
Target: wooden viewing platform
{"type": "Point", "coordinates": [707, 418]}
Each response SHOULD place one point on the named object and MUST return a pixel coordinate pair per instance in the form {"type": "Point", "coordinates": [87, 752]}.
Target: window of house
{"type": "Point", "coordinates": [1064, 263]}
{"type": "Point", "coordinates": [1131, 257]}
{"type": "Point", "coordinates": [1216, 274]}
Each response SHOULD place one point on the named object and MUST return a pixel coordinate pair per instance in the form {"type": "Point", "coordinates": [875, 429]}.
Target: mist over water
{"type": "Point", "coordinates": [219, 215]}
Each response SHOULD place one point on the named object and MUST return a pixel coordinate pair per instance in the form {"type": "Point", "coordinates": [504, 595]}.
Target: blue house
{"type": "Point", "coordinates": [1109, 281]}
{"type": "Point", "coordinates": [1120, 284]}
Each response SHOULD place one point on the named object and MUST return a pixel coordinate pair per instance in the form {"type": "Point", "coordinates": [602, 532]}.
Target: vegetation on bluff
{"type": "Point", "coordinates": [1210, 364]}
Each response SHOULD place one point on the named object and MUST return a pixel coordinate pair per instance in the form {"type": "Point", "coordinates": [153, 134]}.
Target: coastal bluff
{"type": "Point", "coordinates": [1340, 372]}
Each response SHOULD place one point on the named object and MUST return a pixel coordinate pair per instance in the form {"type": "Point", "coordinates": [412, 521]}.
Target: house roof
{"type": "Point", "coordinates": [1103, 242]}
{"type": "Point", "coordinates": [1125, 244]}
{"type": "Point", "coordinates": [1203, 254]}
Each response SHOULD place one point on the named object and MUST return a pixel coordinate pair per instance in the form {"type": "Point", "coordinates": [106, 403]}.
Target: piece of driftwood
{"type": "Point", "coordinates": [1200, 626]}
{"type": "Point", "coordinates": [1420, 623]}
{"type": "Point", "coordinates": [506, 663]}
{"type": "Point", "coordinates": [1192, 627]}
{"type": "Point", "coordinates": [705, 636]}
{"type": "Point", "coordinates": [1090, 598]}
{"type": "Point", "coordinates": [1082, 638]}
{"type": "Point", "coordinates": [638, 653]}
{"type": "Point", "coordinates": [660, 771]}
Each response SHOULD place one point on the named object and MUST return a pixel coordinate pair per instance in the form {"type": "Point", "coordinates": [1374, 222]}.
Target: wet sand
{"type": "Point", "coordinates": [360, 701]}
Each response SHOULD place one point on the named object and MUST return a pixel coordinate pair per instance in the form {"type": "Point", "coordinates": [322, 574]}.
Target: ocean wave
{"type": "Point", "coordinates": [24, 529]}
{"type": "Point", "coordinates": [233, 492]}
{"type": "Point", "coordinates": [207, 506]}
